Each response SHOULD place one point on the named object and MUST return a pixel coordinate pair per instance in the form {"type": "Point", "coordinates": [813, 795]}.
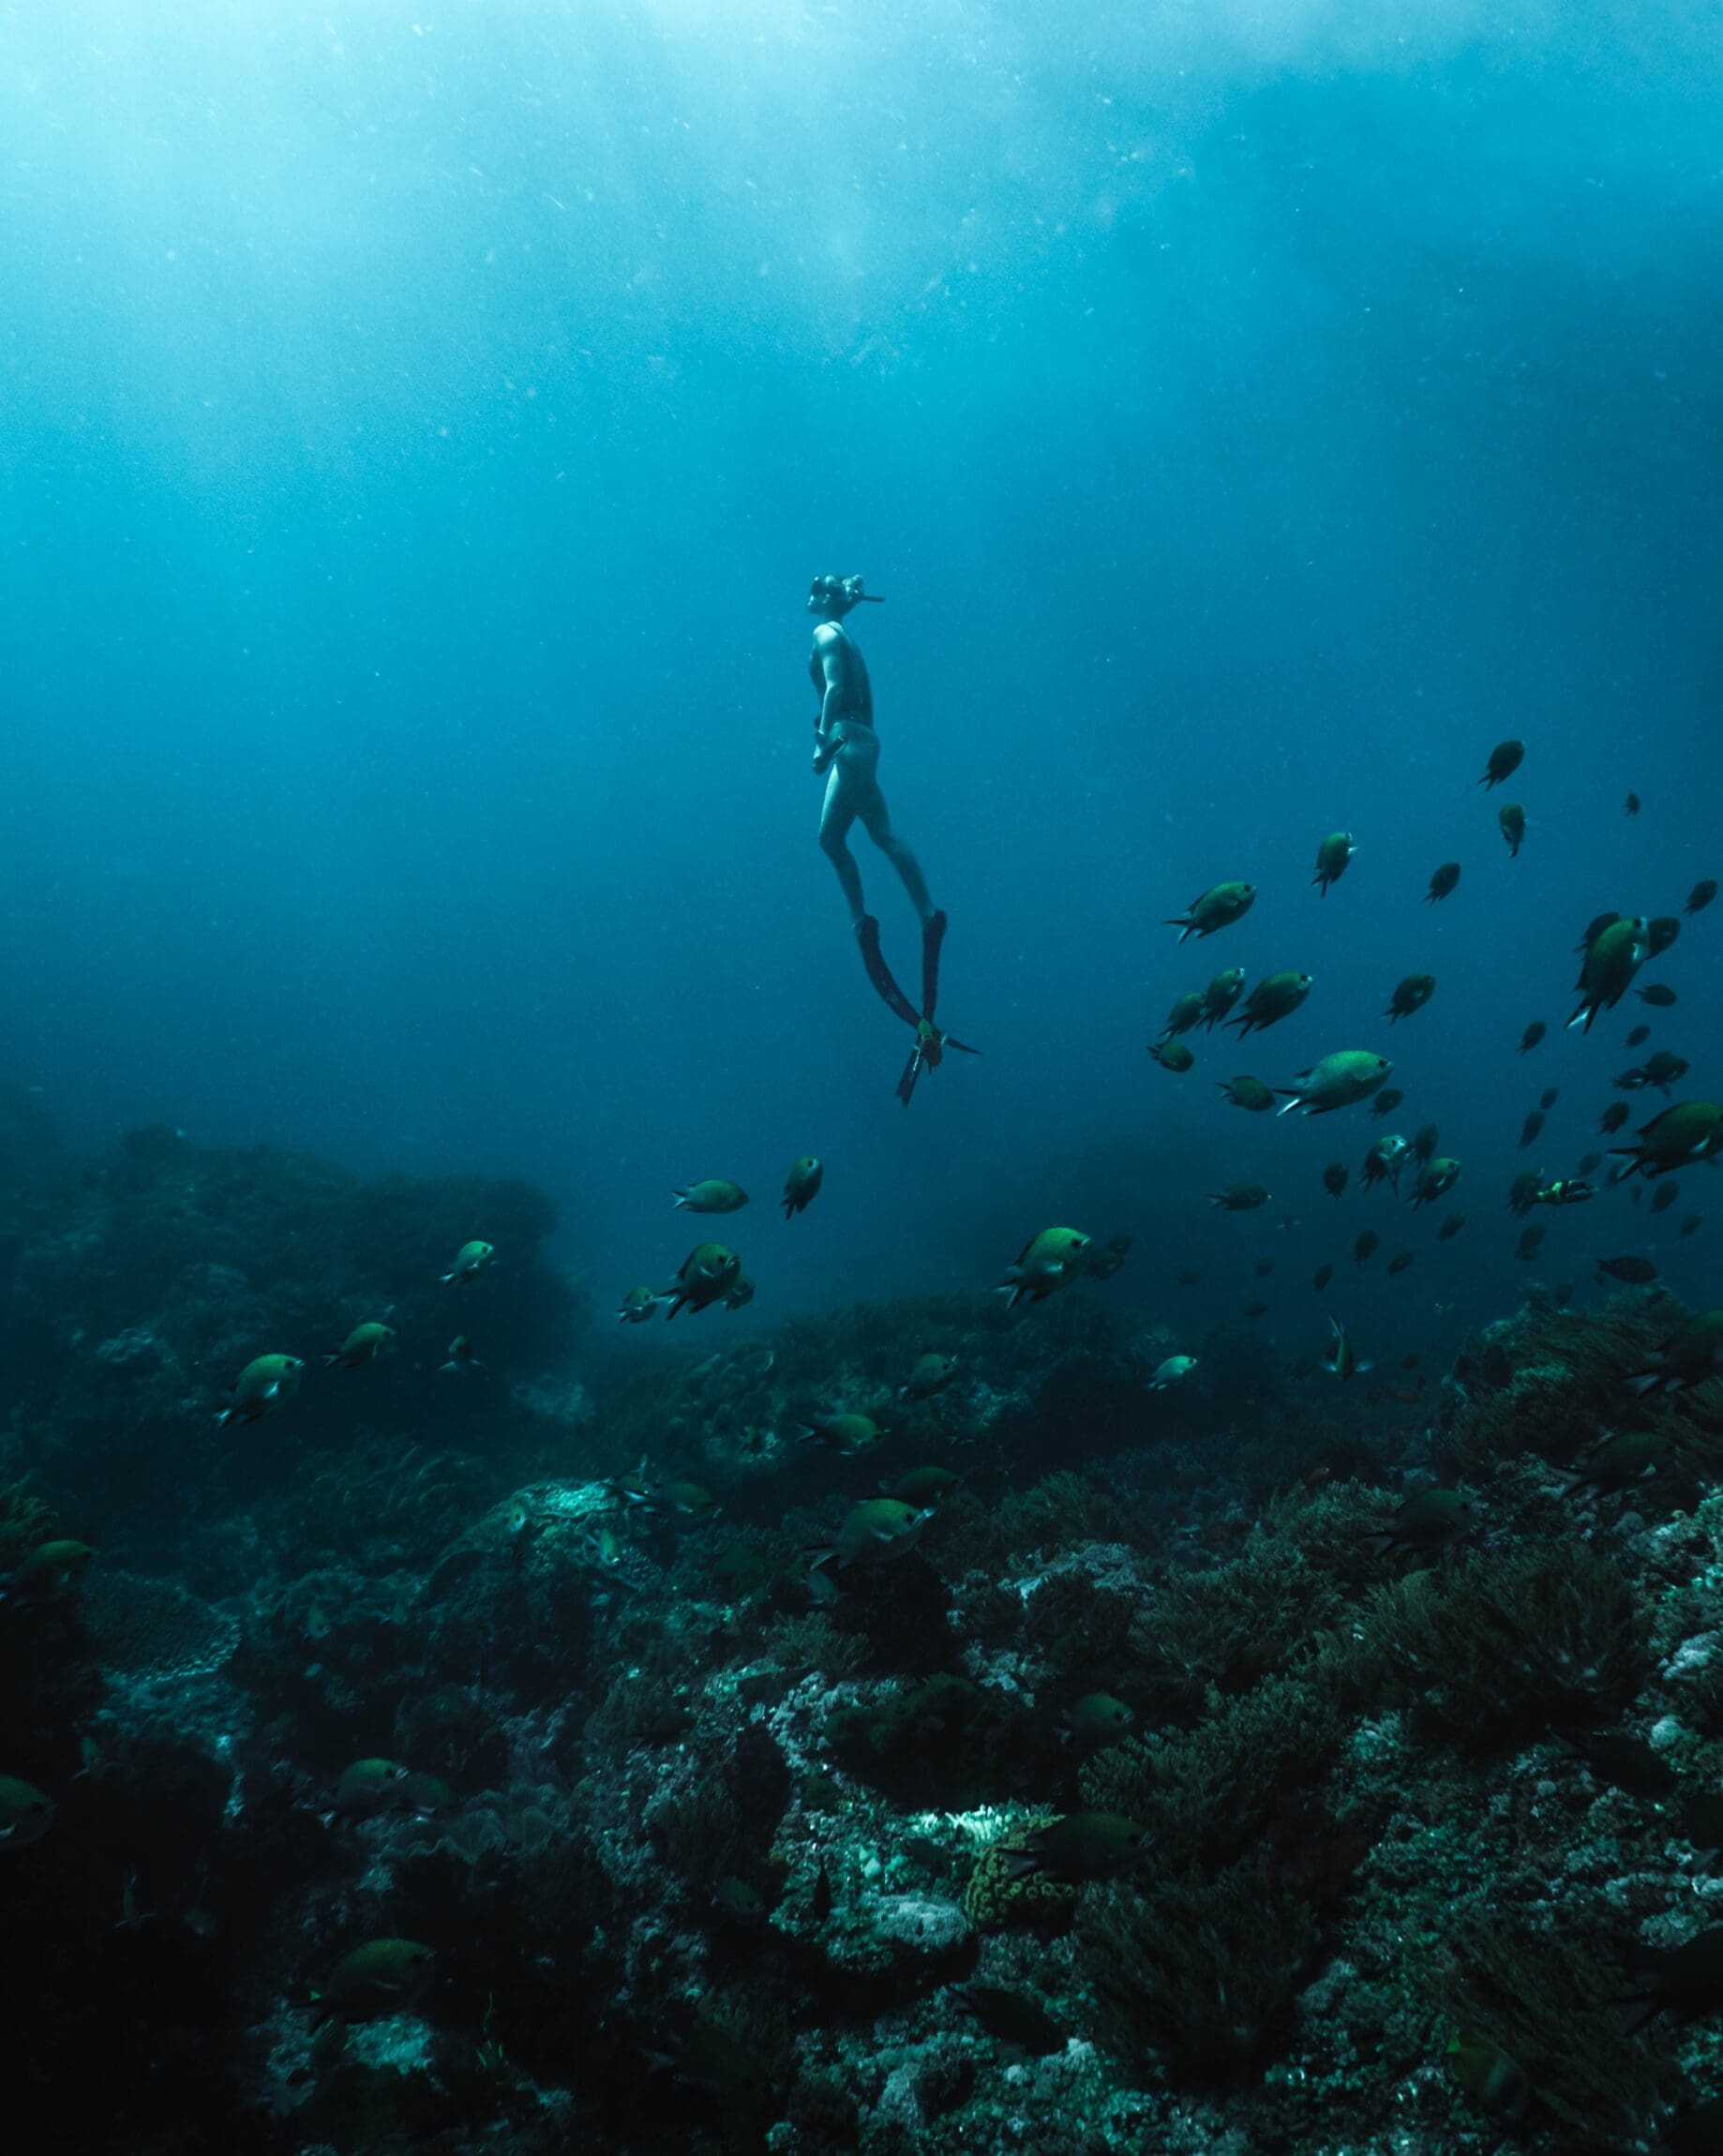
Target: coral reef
{"type": "Point", "coordinates": [711, 1851]}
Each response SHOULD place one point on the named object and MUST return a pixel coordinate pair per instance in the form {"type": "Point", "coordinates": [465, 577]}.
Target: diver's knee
{"type": "Point", "coordinates": [834, 845]}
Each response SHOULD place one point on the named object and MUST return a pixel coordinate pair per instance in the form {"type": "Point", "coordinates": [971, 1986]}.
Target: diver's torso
{"type": "Point", "coordinates": [855, 698]}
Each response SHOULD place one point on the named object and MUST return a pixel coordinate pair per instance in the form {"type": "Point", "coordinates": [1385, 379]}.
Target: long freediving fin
{"type": "Point", "coordinates": [933, 936]}
{"type": "Point", "coordinates": [879, 973]}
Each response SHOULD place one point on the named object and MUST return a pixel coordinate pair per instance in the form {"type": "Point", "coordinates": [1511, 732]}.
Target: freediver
{"type": "Point", "coordinates": [846, 755]}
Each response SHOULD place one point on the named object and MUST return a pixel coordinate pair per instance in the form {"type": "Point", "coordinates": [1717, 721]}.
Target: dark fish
{"type": "Point", "coordinates": [1334, 1177]}
{"type": "Point", "coordinates": [1431, 1519]}
{"type": "Point", "coordinates": [1187, 1275]}
{"type": "Point", "coordinates": [1366, 1246]}
{"type": "Point", "coordinates": [1496, 2081]}
{"type": "Point", "coordinates": [1687, 1358]}
{"type": "Point", "coordinates": [1639, 1035]}
{"type": "Point", "coordinates": [1322, 1275]}
{"type": "Point", "coordinates": [1386, 1101]}
{"type": "Point", "coordinates": [1522, 1191]}
{"type": "Point", "coordinates": [1399, 1263]}
{"type": "Point", "coordinates": [1702, 1821]}
{"type": "Point", "coordinates": [1561, 1294]}
{"type": "Point", "coordinates": [819, 1901]}
{"type": "Point", "coordinates": [1529, 1243]}
{"type": "Point", "coordinates": [1256, 1310]}
{"type": "Point", "coordinates": [1631, 806]}
{"type": "Point", "coordinates": [1082, 1846]}
{"type": "Point", "coordinates": [1264, 1267]}
{"type": "Point", "coordinates": [1682, 1981]}
{"type": "Point", "coordinates": [1425, 1142]}
{"type": "Point", "coordinates": [1451, 1227]}
{"type": "Point", "coordinates": [1529, 1128]}
{"type": "Point", "coordinates": [1410, 995]}
{"type": "Point", "coordinates": [1409, 1361]}
{"type": "Point", "coordinates": [1663, 1197]}
{"type": "Point", "coordinates": [1332, 855]}
{"type": "Point", "coordinates": [1661, 931]}
{"type": "Point", "coordinates": [1662, 1069]}
{"type": "Point", "coordinates": [1660, 996]}
{"type": "Point", "coordinates": [1443, 883]}
{"type": "Point", "coordinates": [1532, 1036]}
{"type": "Point", "coordinates": [1701, 896]}
{"type": "Point", "coordinates": [1549, 1097]}
{"type": "Point", "coordinates": [1012, 2017]}
{"type": "Point", "coordinates": [1691, 1224]}
{"type": "Point", "coordinates": [1628, 1764]}
{"type": "Point", "coordinates": [1498, 1365]}
{"type": "Point", "coordinates": [1613, 1117]}
{"type": "Point", "coordinates": [1696, 2133]}
{"type": "Point", "coordinates": [1505, 760]}
{"type": "Point", "coordinates": [1617, 1463]}
{"type": "Point", "coordinates": [1595, 928]}
{"type": "Point", "coordinates": [1636, 1272]}
{"type": "Point", "coordinates": [1511, 817]}
{"type": "Point", "coordinates": [1589, 1163]}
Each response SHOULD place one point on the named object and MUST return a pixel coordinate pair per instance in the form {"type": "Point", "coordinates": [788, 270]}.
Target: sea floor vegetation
{"type": "Point", "coordinates": [469, 1756]}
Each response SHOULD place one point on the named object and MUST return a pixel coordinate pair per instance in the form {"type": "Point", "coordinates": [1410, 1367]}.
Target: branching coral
{"type": "Point", "coordinates": [1198, 1971]}
{"type": "Point", "coordinates": [1500, 1648]}
{"type": "Point", "coordinates": [1264, 1611]}
{"type": "Point", "coordinates": [1073, 1622]}
{"type": "Point", "coordinates": [941, 1742]}
{"type": "Point", "coordinates": [1207, 1793]}
{"type": "Point", "coordinates": [1055, 1514]}
{"type": "Point", "coordinates": [1545, 1999]}
{"type": "Point", "coordinates": [1550, 1381]}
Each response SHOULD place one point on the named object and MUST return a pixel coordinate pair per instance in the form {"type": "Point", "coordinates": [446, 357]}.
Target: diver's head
{"type": "Point", "coordinates": [832, 597]}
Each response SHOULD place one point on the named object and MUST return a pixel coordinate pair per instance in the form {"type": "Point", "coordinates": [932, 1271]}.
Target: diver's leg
{"type": "Point", "coordinates": [845, 783]}
{"type": "Point", "coordinates": [877, 822]}
{"type": "Point", "coordinates": [835, 818]}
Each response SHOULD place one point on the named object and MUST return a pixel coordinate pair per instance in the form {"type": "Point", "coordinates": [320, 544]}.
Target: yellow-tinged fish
{"type": "Point", "coordinates": [263, 1383]}
{"type": "Point", "coordinates": [25, 1813]}
{"type": "Point", "coordinates": [713, 1195]}
{"type": "Point", "coordinates": [1047, 1262]}
{"type": "Point", "coordinates": [363, 1344]}
{"type": "Point", "coordinates": [708, 1274]}
{"type": "Point", "coordinates": [49, 1573]}
{"type": "Point", "coordinates": [385, 1976]}
{"type": "Point", "coordinates": [801, 1185]}
{"type": "Point", "coordinates": [470, 1260]}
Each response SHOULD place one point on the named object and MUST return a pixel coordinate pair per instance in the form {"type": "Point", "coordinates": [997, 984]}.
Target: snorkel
{"type": "Point", "coordinates": [838, 594]}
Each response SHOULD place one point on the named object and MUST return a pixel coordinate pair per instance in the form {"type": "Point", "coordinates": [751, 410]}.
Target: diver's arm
{"type": "Point", "coordinates": [826, 741]}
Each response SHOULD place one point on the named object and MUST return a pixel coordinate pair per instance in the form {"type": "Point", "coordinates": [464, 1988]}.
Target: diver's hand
{"type": "Point", "coordinates": [825, 756]}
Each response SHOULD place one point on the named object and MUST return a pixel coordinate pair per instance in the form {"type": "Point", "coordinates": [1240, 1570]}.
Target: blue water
{"type": "Point", "coordinates": [420, 425]}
